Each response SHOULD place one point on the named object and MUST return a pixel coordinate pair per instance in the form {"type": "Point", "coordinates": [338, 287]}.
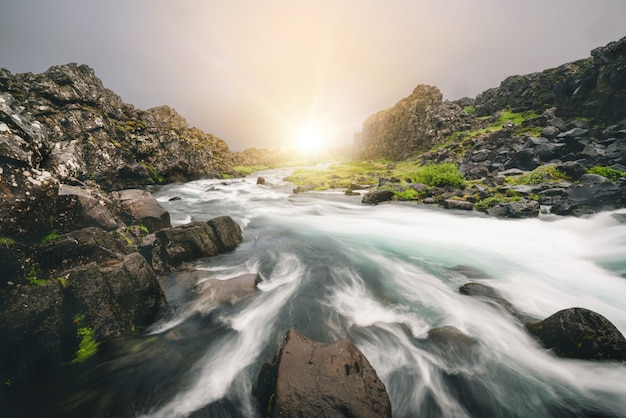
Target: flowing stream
{"type": "Point", "coordinates": [382, 276]}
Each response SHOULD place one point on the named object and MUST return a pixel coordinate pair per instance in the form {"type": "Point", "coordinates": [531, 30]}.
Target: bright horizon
{"type": "Point", "coordinates": [283, 74]}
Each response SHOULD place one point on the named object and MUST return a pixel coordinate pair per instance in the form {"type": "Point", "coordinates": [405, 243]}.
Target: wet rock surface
{"type": "Point", "coordinates": [313, 379]}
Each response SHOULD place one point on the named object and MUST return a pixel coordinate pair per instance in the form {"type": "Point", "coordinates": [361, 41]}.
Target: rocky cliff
{"type": "Point", "coordinates": [593, 88]}
{"type": "Point", "coordinates": [66, 122]}
{"type": "Point", "coordinates": [416, 123]}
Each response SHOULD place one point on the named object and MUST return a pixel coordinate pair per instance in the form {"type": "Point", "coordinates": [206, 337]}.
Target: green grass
{"type": "Point", "coordinates": [542, 174]}
{"type": "Point", "coordinates": [408, 194]}
{"type": "Point", "coordinates": [439, 175]}
{"type": "Point", "coordinates": [607, 172]}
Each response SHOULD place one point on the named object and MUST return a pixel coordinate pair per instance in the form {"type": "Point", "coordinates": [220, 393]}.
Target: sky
{"type": "Point", "coordinates": [275, 73]}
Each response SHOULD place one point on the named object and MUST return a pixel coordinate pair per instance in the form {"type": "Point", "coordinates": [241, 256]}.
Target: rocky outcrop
{"type": "Point", "coordinates": [66, 122]}
{"type": "Point", "coordinates": [581, 334]}
{"type": "Point", "coordinates": [312, 379]}
{"type": "Point", "coordinates": [571, 118]}
{"type": "Point", "coordinates": [593, 88]}
{"type": "Point", "coordinates": [76, 257]}
{"type": "Point", "coordinates": [413, 125]}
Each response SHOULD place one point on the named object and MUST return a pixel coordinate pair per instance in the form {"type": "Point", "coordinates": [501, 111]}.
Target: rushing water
{"type": "Point", "coordinates": [382, 276]}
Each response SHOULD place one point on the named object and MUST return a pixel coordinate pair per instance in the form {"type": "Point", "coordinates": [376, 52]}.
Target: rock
{"type": "Point", "coordinates": [349, 192]}
{"type": "Point", "coordinates": [525, 208]}
{"type": "Point", "coordinates": [77, 208]}
{"type": "Point", "coordinates": [217, 292]}
{"type": "Point", "coordinates": [27, 203]}
{"type": "Point", "coordinates": [377, 196]}
{"type": "Point", "coordinates": [79, 247]}
{"type": "Point", "coordinates": [412, 125]}
{"type": "Point", "coordinates": [227, 232]}
{"type": "Point", "coordinates": [458, 204]}
{"type": "Point", "coordinates": [184, 243]}
{"type": "Point", "coordinates": [581, 334]}
{"type": "Point", "coordinates": [452, 343]}
{"type": "Point", "coordinates": [139, 207]}
{"type": "Point", "coordinates": [312, 379]}
{"type": "Point", "coordinates": [90, 133]}
{"type": "Point", "coordinates": [493, 297]}
{"type": "Point", "coordinates": [593, 193]}
{"type": "Point", "coordinates": [524, 160]}
{"type": "Point", "coordinates": [260, 180]}
{"type": "Point", "coordinates": [116, 298]}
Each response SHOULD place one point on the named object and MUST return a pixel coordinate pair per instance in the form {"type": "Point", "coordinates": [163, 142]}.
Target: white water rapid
{"type": "Point", "coordinates": [383, 276]}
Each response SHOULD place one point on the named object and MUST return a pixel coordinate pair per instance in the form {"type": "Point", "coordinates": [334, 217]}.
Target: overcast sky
{"type": "Point", "coordinates": [256, 72]}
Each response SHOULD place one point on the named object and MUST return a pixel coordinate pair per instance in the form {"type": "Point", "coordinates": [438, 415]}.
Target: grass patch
{"type": "Point", "coordinates": [408, 194]}
{"type": "Point", "coordinates": [542, 174]}
{"type": "Point", "coordinates": [341, 175]}
{"type": "Point", "coordinates": [608, 172]}
{"type": "Point", "coordinates": [439, 175]}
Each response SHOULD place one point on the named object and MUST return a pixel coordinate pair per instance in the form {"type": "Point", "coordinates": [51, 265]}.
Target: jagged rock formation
{"type": "Point", "coordinates": [415, 124]}
{"type": "Point", "coordinates": [593, 88]}
{"type": "Point", "coordinates": [68, 123]}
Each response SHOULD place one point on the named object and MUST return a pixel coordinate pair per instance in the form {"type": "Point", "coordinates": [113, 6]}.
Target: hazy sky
{"type": "Point", "coordinates": [257, 72]}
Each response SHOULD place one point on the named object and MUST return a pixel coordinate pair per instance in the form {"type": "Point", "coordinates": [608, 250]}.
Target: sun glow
{"type": "Point", "coordinates": [310, 139]}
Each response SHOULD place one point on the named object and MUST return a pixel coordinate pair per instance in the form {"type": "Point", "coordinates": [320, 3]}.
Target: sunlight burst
{"type": "Point", "coordinates": [310, 139]}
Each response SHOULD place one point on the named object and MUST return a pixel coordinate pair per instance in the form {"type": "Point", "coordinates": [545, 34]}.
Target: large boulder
{"type": "Point", "coordinates": [78, 207]}
{"type": "Point", "coordinates": [313, 379]}
{"type": "Point", "coordinates": [183, 243]}
{"type": "Point", "coordinates": [377, 196]}
{"type": "Point", "coordinates": [593, 193]}
{"type": "Point", "coordinates": [140, 207]}
{"type": "Point", "coordinates": [581, 334]}
{"type": "Point", "coordinates": [227, 232]}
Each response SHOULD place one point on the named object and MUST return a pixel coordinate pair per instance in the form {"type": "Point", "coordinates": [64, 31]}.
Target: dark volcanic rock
{"type": "Point", "coordinates": [77, 208]}
{"type": "Point", "coordinates": [227, 232]}
{"type": "Point", "coordinates": [582, 334]}
{"type": "Point", "coordinates": [192, 241]}
{"type": "Point", "coordinates": [593, 193]}
{"type": "Point", "coordinates": [139, 207]}
{"type": "Point", "coordinates": [377, 196]}
{"type": "Point", "coordinates": [82, 130]}
{"type": "Point", "coordinates": [525, 208]}
{"type": "Point", "coordinates": [312, 379]}
{"type": "Point", "coordinates": [27, 203]}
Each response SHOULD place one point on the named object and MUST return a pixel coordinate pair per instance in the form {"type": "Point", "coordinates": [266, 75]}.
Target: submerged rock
{"type": "Point", "coordinates": [581, 334]}
{"type": "Point", "coordinates": [312, 379]}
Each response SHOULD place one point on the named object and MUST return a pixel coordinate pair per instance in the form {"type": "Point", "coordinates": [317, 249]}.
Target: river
{"type": "Point", "coordinates": [383, 276]}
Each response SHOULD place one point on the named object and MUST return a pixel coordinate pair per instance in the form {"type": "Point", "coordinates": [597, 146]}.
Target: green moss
{"type": "Point", "coordinates": [408, 194]}
{"type": "Point", "coordinates": [439, 175]}
{"type": "Point", "coordinates": [542, 174]}
{"type": "Point", "coordinates": [488, 203]}
{"type": "Point", "coordinates": [6, 241]}
{"type": "Point", "coordinates": [470, 110]}
{"type": "Point", "coordinates": [607, 172]}
{"type": "Point", "coordinates": [226, 176]}
{"type": "Point", "coordinates": [88, 345]}
{"type": "Point", "coordinates": [33, 276]}
{"type": "Point", "coordinates": [51, 236]}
